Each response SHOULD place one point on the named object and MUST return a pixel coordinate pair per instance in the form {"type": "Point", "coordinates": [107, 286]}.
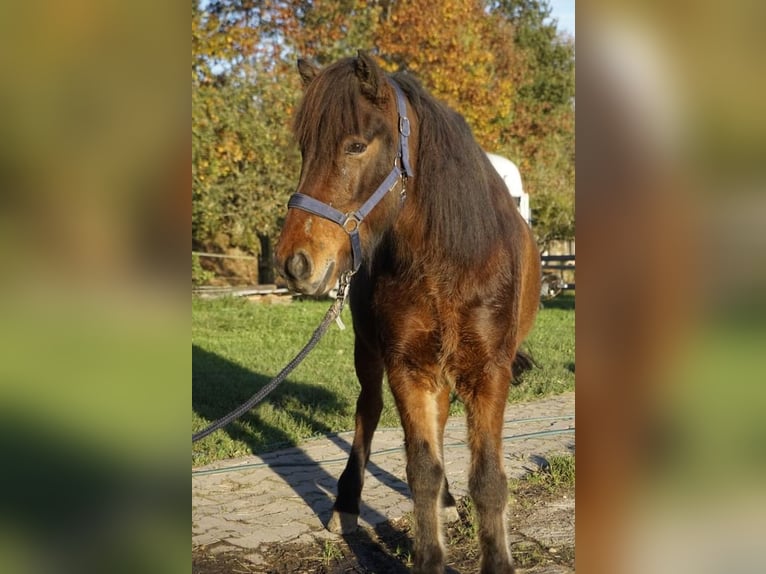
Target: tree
{"type": "Point", "coordinates": [327, 30]}
{"type": "Point", "coordinates": [550, 56]}
{"type": "Point", "coordinates": [463, 54]}
{"type": "Point", "coordinates": [541, 136]}
{"type": "Point", "coordinates": [243, 157]}
{"type": "Point", "coordinates": [243, 160]}
{"type": "Point", "coordinates": [500, 64]}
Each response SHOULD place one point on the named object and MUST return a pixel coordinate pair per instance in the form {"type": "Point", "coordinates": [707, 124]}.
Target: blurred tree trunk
{"type": "Point", "coordinates": [265, 261]}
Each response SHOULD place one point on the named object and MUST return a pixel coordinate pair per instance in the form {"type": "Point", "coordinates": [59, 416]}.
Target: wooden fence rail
{"type": "Point", "coordinates": [549, 263]}
{"type": "Point", "coordinates": [559, 263]}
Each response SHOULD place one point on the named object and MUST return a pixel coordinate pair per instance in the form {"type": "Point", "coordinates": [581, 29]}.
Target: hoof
{"type": "Point", "coordinates": [343, 522]}
{"type": "Point", "coordinates": [450, 514]}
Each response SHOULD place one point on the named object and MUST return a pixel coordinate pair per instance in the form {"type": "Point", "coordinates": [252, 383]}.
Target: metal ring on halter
{"type": "Point", "coordinates": [354, 221]}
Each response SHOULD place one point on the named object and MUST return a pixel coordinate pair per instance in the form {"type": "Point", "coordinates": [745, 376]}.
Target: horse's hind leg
{"type": "Point", "coordinates": [369, 371]}
{"type": "Point", "coordinates": [487, 481]}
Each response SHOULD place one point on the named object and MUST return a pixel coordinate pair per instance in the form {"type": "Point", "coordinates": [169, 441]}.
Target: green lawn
{"type": "Point", "coordinates": [238, 346]}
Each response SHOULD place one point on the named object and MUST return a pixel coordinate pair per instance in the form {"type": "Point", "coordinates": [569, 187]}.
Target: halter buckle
{"type": "Point", "coordinates": [404, 126]}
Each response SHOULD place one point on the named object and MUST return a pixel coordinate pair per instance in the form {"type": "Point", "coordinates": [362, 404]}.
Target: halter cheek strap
{"type": "Point", "coordinates": [351, 221]}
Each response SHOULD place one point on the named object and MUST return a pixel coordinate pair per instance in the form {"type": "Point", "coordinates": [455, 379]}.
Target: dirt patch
{"type": "Point", "coordinates": [540, 528]}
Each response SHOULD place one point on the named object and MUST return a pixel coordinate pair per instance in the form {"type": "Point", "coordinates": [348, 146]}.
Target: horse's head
{"type": "Point", "coordinates": [348, 130]}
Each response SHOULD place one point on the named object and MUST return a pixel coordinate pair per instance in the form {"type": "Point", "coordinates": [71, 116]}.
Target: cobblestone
{"type": "Point", "coordinates": [288, 495]}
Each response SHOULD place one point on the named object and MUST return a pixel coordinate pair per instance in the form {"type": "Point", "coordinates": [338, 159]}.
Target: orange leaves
{"type": "Point", "coordinates": [246, 86]}
{"type": "Point", "coordinates": [326, 30]}
{"type": "Point", "coordinates": [230, 148]}
{"type": "Point", "coordinates": [460, 52]}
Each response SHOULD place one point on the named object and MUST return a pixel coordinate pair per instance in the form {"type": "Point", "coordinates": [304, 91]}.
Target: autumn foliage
{"type": "Point", "coordinates": [500, 64]}
{"type": "Point", "coordinates": [465, 57]}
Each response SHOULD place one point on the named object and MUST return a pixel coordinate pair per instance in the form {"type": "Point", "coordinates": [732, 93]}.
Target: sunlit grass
{"type": "Point", "coordinates": [238, 346]}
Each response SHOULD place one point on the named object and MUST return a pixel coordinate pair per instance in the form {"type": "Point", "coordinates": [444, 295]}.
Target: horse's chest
{"type": "Point", "coordinates": [434, 331]}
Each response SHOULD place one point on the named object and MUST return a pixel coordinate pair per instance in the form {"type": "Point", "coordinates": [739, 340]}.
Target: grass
{"type": "Point", "coordinates": [331, 552]}
{"type": "Point", "coordinates": [238, 346]}
{"type": "Point", "coordinates": [467, 525]}
{"type": "Point", "coordinates": [404, 554]}
{"type": "Point", "coordinates": [558, 475]}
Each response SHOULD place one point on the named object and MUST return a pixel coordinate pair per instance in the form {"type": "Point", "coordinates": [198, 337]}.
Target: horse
{"type": "Point", "coordinates": [396, 197]}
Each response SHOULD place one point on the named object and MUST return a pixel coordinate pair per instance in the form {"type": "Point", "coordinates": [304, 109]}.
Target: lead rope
{"type": "Point", "coordinates": [333, 314]}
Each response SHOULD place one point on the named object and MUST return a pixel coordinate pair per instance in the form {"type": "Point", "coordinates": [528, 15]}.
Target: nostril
{"type": "Point", "coordinates": [298, 266]}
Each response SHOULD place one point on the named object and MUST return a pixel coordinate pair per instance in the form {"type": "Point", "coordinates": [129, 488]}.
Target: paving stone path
{"type": "Point", "coordinates": [287, 495]}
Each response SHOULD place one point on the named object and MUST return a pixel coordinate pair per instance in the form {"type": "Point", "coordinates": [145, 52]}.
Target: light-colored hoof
{"type": "Point", "coordinates": [343, 522]}
{"type": "Point", "coordinates": [450, 514]}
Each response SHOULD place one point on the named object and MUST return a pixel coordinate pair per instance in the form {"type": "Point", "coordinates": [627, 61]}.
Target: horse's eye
{"type": "Point", "coordinates": [355, 148]}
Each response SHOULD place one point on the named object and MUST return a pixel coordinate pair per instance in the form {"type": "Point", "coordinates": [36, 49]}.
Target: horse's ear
{"type": "Point", "coordinates": [370, 76]}
{"type": "Point", "coordinates": [307, 70]}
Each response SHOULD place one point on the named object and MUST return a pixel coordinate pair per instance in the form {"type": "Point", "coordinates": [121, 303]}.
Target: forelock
{"type": "Point", "coordinates": [330, 111]}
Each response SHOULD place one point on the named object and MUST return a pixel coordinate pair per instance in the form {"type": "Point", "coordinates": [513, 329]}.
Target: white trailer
{"type": "Point", "coordinates": [512, 178]}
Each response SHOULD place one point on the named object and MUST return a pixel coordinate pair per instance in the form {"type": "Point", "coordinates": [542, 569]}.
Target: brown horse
{"type": "Point", "coordinates": [446, 287]}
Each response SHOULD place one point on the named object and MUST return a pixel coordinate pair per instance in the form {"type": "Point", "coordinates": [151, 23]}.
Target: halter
{"type": "Point", "coordinates": [351, 221]}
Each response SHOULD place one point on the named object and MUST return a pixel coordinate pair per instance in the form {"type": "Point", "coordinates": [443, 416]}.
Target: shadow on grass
{"type": "Point", "coordinates": [219, 386]}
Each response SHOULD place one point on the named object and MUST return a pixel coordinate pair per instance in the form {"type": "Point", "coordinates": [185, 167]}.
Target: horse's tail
{"type": "Point", "coordinates": [522, 363]}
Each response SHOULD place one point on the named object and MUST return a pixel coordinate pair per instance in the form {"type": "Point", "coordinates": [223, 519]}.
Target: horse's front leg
{"type": "Point", "coordinates": [369, 371]}
{"type": "Point", "coordinates": [419, 400]}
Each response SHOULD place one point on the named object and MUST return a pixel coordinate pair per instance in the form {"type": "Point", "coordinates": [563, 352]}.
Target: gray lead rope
{"type": "Point", "coordinates": [333, 313]}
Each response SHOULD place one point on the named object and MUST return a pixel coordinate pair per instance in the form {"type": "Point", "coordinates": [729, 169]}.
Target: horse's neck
{"type": "Point", "coordinates": [412, 248]}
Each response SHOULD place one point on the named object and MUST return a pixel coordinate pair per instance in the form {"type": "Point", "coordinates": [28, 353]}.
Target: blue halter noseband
{"type": "Point", "coordinates": [350, 222]}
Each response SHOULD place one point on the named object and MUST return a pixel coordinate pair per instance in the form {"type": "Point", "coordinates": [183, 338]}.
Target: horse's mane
{"type": "Point", "coordinates": [460, 198]}
{"type": "Point", "coordinates": [458, 187]}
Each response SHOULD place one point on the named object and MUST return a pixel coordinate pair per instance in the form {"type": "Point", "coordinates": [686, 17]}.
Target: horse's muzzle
{"type": "Point", "coordinates": [299, 271]}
